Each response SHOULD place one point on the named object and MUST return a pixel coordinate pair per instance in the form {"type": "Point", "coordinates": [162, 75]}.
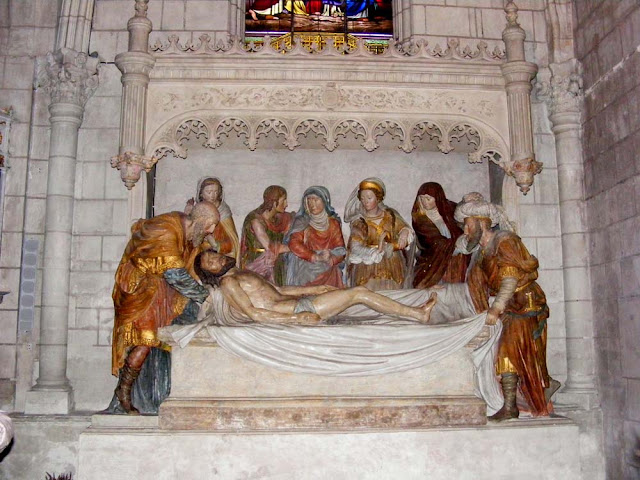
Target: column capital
{"type": "Point", "coordinates": [68, 76]}
{"type": "Point", "coordinates": [135, 63]}
{"type": "Point", "coordinates": [561, 88]}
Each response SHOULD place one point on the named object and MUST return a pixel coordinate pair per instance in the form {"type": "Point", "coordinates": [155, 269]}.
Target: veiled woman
{"type": "Point", "coordinates": [316, 243]}
{"type": "Point", "coordinates": [436, 234]}
{"type": "Point", "coordinates": [225, 237]}
{"type": "Point", "coordinates": [381, 242]}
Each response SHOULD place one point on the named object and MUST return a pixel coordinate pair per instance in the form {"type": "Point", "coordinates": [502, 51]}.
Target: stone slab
{"type": "Point", "coordinates": [523, 449]}
{"type": "Point", "coordinates": [322, 413]}
{"type": "Point", "coordinates": [225, 375]}
{"type": "Point", "coordinates": [124, 421]}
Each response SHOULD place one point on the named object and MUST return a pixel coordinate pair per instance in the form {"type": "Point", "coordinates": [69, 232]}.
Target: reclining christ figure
{"type": "Point", "coordinates": [258, 300]}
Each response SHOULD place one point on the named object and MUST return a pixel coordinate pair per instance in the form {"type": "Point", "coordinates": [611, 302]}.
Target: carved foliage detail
{"type": "Point", "coordinates": [234, 46]}
{"type": "Point", "coordinates": [68, 76]}
{"type": "Point", "coordinates": [328, 97]}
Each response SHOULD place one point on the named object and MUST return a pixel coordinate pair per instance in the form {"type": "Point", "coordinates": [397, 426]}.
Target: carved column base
{"type": "Point", "coordinates": [131, 166]}
{"type": "Point", "coordinates": [48, 401]}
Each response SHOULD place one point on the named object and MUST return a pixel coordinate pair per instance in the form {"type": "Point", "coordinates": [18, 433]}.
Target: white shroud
{"type": "Point", "coordinates": [359, 341]}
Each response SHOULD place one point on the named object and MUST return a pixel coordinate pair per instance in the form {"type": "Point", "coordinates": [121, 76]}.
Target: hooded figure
{"type": "Point", "coordinates": [436, 234]}
{"type": "Point", "coordinates": [315, 241]}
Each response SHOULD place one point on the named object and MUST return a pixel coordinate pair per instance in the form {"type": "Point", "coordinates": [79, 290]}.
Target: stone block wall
{"type": "Point", "coordinates": [607, 36]}
{"type": "Point", "coordinates": [27, 29]}
{"type": "Point", "coordinates": [473, 20]}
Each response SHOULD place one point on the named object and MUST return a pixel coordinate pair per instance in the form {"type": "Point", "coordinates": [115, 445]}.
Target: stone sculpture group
{"type": "Point", "coordinates": [296, 268]}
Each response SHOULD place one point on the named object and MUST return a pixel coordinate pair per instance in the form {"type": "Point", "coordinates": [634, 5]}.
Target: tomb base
{"type": "Point", "coordinates": [525, 449]}
{"type": "Point", "coordinates": [230, 393]}
{"type": "Point", "coordinates": [321, 413]}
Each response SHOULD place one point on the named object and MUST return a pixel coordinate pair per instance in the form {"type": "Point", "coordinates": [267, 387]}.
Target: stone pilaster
{"type": "Point", "coordinates": [135, 65]}
{"type": "Point", "coordinates": [564, 97]}
{"type": "Point", "coordinates": [70, 78]}
{"type": "Point", "coordinates": [74, 24]}
{"type": "Point", "coordinates": [518, 74]}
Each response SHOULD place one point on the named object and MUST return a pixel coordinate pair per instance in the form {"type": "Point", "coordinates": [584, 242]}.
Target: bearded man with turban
{"type": "Point", "coordinates": [503, 268]}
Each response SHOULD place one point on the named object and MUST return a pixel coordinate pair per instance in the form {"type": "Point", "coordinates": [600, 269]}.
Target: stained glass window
{"type": "Point", "coordinates": [371, 19]}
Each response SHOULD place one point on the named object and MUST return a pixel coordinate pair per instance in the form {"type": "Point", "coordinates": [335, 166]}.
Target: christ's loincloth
{"type": "Point", "coordinates": [305, 304]}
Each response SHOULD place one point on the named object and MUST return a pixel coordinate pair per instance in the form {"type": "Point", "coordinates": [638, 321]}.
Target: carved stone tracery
{"type": "Point", "coordinates": [212, 130]}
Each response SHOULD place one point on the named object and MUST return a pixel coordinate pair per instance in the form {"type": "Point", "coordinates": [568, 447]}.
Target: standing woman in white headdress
{"type": "Point", "coordinates": [225, 237]}
{"type": "Point", "coordinates": [381, 244]}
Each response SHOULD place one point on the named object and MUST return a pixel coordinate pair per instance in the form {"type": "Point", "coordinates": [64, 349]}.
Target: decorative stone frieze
{"type": "Point", "coordinates": [68, 76]}
{"type": "Point", "coordinates": [206, 46]}
{"type": "Point", "coordinates": [329, 97]}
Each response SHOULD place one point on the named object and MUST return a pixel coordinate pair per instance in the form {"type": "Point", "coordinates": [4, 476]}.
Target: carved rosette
{"type": "Point", "coordinates": [131, 166]}
{"type": "Point", "coordinates": [68, 76]}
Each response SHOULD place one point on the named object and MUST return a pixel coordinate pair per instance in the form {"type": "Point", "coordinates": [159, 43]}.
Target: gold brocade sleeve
{"type": "Point", "coordinates": [509, 271]}
{"type": "Point", "coordinates": [158, 265]}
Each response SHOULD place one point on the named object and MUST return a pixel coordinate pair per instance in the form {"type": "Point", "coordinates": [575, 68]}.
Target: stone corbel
{"type": "Point", "coordinates": [523, 172]}
{"type": "Point", "coordinates": [131, 166]}
{"type": "Point", "coordinates": [135, 65]}
{"type": "Point", "coordinates": [518, 74]}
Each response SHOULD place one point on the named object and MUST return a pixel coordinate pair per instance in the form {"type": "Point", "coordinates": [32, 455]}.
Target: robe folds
{"type": "Point", "coordinates": [304, 243]}
{"type": "Point", "coordinates": [523, 343]}
{"type": "Point", "coordinates": [142, 299]}
{"type": "Point", "coordinates": [435, 262]}
{"type": "Point", "coordinates": [254, 257]}
{"type": "Point", "coordinates": [387, 272]}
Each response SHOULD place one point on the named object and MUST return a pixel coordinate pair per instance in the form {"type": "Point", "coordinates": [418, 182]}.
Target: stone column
{"type": "Point", "coordinates": [564, 97]}
{"type": "Point", "coordinates": [135, 65]}
{"type": "Point", "coordinates": [518, 74]}
{"type": "Point", "coordinates": [70, 78]}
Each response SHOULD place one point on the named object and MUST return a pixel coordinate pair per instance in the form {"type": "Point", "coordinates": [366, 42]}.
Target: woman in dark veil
{"type": "Point", "coordinates": [436, 232]}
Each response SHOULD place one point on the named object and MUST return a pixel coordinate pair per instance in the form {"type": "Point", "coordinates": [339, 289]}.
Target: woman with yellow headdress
{"type": "Point", "coordinates": [381, 242]}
